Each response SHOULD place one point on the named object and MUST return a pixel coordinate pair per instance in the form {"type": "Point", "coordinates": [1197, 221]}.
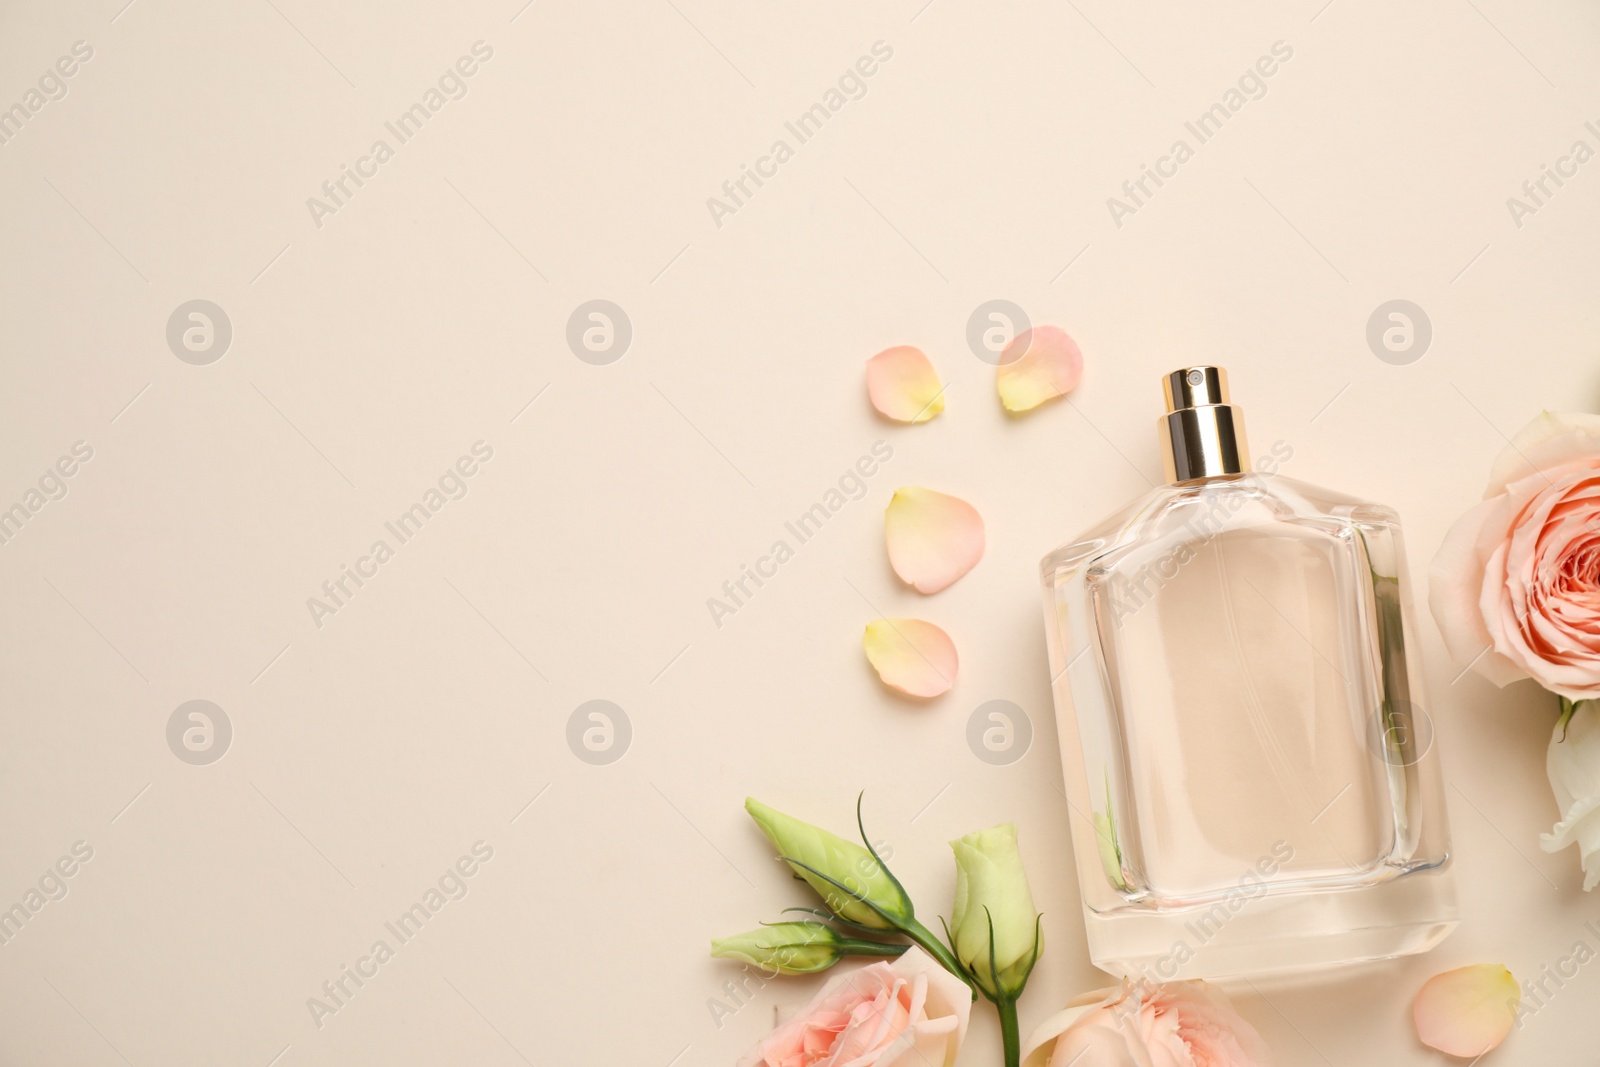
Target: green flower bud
{"type": "Point", "coordinates": [994, 927]}
{"type": "Point", "coordinates": [797, 948]}
{"type": "Point", "coordinates": [850, 880]}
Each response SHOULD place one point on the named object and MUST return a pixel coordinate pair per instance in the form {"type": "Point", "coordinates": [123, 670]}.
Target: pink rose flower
{"type": "Point", "coordinates": [1515, 587]}
{"type": "Point", "coordinates": [1177, 1024]}
{"type": "Point", "coordinates": [910, 1012]}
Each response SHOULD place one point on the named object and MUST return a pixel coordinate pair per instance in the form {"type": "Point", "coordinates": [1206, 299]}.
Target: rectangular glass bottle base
{"type": "Point", "coordinates": [1276, 933]}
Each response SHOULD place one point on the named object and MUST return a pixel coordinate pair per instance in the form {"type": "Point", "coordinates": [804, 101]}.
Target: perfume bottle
{"type": "Point", "coordinates": [1253, 781]}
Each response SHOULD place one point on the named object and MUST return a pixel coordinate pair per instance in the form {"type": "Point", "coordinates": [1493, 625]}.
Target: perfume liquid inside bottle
{"type": "Point", "coordinates": [1253, 779]}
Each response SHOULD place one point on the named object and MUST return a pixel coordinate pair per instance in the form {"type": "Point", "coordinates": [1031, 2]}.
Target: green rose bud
{"type": "Point", "coordinates": [850, 880]}
{"type": "Point", "coordinates": [857, 888]}
{"type": "Point", "coordinates": [797, 947]}
{"type": "Point", "coordinates": [994, 927]}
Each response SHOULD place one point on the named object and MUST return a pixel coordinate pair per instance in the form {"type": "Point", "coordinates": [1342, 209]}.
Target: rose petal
{"type": "Point", "coordinates": [903, 385]}
{"type": "Point", "coordinates": [1455, 587]}
{"type": "Point", "coordinates": [1549, 440]}
{"type": "Point", "coordinates": [910, 655]}
{"type": "Point", "coordinates": [1038, 365]}
{"type": "Point", "coordinates": [933, 538]}
{"type": "Point", "coordinates": [1467, 1011]}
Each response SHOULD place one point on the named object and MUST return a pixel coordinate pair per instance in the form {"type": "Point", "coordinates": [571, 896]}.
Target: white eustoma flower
{"type": "Point", "coordinates": [995, 930]}
{"type": "Point", "coordinates": [1573, 764]}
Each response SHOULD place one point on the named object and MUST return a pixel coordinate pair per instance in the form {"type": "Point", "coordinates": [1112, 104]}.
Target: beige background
{"type": "Point", "coordinates": [368, 354]}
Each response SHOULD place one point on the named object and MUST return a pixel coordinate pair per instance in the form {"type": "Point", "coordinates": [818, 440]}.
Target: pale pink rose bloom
{"type": "Point", "coordinates": [1515, 587]}
{"type": "Point", "coordinates": [909, 1012]}
{"type": "Point", "coordinates": [1141, 1024]}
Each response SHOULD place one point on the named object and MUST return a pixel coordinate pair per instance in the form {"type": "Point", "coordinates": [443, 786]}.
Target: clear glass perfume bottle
{"type": "Point", "coordinates": [1253, 782]}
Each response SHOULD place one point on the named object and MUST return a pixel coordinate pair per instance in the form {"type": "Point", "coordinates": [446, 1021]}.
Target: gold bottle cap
{"type": "Point", "coordinates": [1202, 435]}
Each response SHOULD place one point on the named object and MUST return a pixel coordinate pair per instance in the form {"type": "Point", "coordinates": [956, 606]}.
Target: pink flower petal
{"type": "Point", "coordinates": [912, 656]}
{"type": "Point", "coordinates": [903, 385]}
{"type": "Point", "coordinates": [933, 538]}
{"type": "Point", "coordinates": [1038, 365]}
{"type": "Point", "coordinates": [1467, 1011]}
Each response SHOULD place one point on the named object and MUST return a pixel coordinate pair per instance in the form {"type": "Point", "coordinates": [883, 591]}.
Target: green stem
{"type": "Point", "coordinates": [1568, 707]}
{"type": "Point", "coordinates": [853, 946]}
{"type": "Point", "coordinates": [1007, 1007]}
{"type": "Point", "coordinates": [930, 943]}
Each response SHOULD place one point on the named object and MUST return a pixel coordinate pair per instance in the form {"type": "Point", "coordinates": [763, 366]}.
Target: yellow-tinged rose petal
{"type": "Point", "coordinates": [1467, 1011]}
{"type": "Point", "coordinates": [903, 385]}
{"type": "Point", "coordinates": [1038, 365]}
{"type": "Point", "coordinates": [910, 655]}
{"type": "Point", "coordinates": [933, 538]}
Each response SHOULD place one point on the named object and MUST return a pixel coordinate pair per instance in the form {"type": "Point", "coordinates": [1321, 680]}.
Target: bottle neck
{"type": "Point", "coordinates": [1203, 442]}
